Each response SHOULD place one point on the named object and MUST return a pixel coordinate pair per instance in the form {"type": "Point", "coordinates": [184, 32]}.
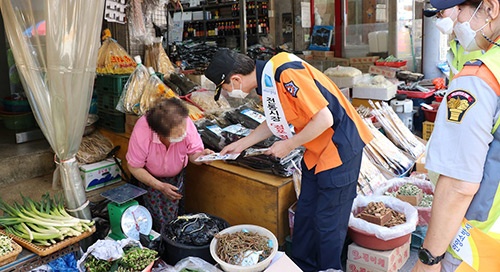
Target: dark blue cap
{"type": "Point", "coordinates": [446, 4]}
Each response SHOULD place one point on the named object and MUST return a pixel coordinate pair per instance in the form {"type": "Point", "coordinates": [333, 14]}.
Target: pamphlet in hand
{"type": "Point", "coordinates": [217, 157]}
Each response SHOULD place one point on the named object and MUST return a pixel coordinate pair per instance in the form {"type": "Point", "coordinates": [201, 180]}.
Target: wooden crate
{"type": "Point", "coordinates": [130, 120]}
{"type": "Point", "coordinates": [240, 196]}
{"type": "Point", "coordinates": [427, 128]}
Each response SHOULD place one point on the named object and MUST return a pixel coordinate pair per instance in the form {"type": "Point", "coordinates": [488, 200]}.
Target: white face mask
{"type": "Point", "coordinates": [237, 93]}
{"type": "Point", "coordinates": [466, 36]}
{"type": "Point", "coordinates": [178, 139]}
{"type": "Point", "coordinates": [445, 25]}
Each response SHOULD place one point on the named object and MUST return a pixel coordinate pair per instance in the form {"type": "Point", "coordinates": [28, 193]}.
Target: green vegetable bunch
{"type": "Point", "coordinates": [134, 259]}
{"type": "Point", "coordinates": [5, 245]}
{"type": "Point", "coordinates": [92, 264]}
{"type": "Point", "coordinates": [42, 223]}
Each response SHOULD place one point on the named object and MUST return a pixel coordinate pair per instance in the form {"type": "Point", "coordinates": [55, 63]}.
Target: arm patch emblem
{"type": "Point", "coordinates": [459, 102]}
{"type": "Point", "coordinates": [291, 88]}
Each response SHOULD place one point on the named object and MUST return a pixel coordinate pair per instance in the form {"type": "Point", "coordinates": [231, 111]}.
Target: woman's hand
{"type": "Point", "coordinates": [193, 157]}
{"type": "Point", "coordinates": [170, 191]}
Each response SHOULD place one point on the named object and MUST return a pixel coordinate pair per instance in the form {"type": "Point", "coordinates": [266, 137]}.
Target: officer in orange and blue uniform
{"type": "Point", "coordinates": [326, 124]}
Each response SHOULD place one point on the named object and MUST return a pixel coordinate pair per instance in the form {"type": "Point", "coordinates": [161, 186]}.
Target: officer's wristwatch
{"type": "Point", "coordinates": [427, 258]}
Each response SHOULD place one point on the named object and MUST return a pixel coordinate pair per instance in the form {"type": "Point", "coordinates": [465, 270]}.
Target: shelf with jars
{"type": "Point", "coordinates": [223, 19]}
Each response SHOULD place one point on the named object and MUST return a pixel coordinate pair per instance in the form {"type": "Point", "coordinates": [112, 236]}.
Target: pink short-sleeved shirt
{"type": "Point", "coordinates": [145, 150]}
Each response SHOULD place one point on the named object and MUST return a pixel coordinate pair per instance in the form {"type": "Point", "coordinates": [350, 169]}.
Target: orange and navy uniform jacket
{"type": "Point", "coordinates": [303, 91]}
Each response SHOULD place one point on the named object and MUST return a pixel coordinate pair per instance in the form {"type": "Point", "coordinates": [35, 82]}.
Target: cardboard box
{"type": "Point", "coordinates": [202, 80]}
{"type": "Point", "coordinates": [343, 82]}
{"type": "Point", "coordinates": [323, 53]}
{"type": "Point", "coordinates": [338, 61]}
{"type": "Point", "coordinates": [369, 60]}
{"type": "Point", "coordinates": [363, 67]}
{"type": "Point", "coordinates": [99, 174]}
{"type": "Point", "coordinates": [352, 266]}
{"type": "Point", "coordinates": [346, 92]}
{"type": "Point", "coordinates": [388, 72]}
{"type": "Point", "coordinates": [420, 164]}
{"type": "Point", "coordinates": [374, 92]}
{"type": "Point", "coordinates": [387, 260]}
{"type": "Point", "coordinates": [377, 220]}
{"type": "Point", "coordinates": [413, 200]}
{"type": "Point", "coordinates": [356, 102]}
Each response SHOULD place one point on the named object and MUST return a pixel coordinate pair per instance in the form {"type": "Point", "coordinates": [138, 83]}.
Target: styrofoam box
{"type": "Point", "coordinates": [99, 174]}
{"type": "Point", "coordinates": [386, 260]}
{"type": "Point", "coordinates": [346, 81]}
{"type": "Point", "coordinates": [374, 92]}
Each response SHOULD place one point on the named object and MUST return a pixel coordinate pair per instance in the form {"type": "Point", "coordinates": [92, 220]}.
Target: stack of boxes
{"type": "Point", "coordinates": [370, 260]}
{"type": "Point", "coordinates": [363, 63]}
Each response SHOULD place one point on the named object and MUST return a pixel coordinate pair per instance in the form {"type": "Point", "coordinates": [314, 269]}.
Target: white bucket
{"type": "Point", "coordinates": [404, 109]}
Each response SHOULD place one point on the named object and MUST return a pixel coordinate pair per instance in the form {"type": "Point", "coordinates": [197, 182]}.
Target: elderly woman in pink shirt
{"type": "Point", "coordinates": [161, 144]}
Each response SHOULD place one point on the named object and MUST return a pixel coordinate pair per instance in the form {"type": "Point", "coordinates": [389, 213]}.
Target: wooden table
{"type": "Point", "coordinates": [240, 196]}
{"type": "Point", "coordinates": [234, 193]}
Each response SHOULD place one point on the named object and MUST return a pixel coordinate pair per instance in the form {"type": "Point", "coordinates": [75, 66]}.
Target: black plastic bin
{"type": "Point", "coordinates": [172, 251]}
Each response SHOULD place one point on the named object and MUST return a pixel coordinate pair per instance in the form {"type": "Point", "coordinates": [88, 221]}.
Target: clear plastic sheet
{"type": "Point", "coordinates": [57, 66]}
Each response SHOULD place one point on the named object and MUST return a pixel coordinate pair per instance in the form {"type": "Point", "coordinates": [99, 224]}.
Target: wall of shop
{"type": "Point", "coordinates": [4, 68]}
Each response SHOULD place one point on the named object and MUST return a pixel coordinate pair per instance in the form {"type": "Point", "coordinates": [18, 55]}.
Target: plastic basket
{"type": "Point", "coordinates": [17, 120]}
{"type": "Point", "coordinates": [427, 128]}
{"type": "Point", "coordinates": [112, 120]}
{"type": "Point", "coordinates": [110, 84]}
{"type": "Point", "coordinates": [113, 84]}
{"type": "Point", "coordinates": [107, 102]}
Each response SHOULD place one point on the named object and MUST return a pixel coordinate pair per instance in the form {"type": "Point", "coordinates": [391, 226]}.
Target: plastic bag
{"type": "Point", "coordinates": [156, 57]}
{"type": "Point", "coordinates": [381, 232]}
{"type": "Point", "coordinates": [109, 250]}
{"type": "Point", "coordinates": [392, 185]}
{"type": "Point", "coordinates": [136, 20]}
{"type": "Point", "coordinates": [131, 96]}
{"type": "Point", "coordinates": [205, 99]}
{"type": "Point", "coordinates": [113, 59]}
{"type": "Point", "coordinates": [153, 91]}
{"type": "Point", "coordinates": [66, 263]}
{"type": "Point", "coordinates": [191, 263]}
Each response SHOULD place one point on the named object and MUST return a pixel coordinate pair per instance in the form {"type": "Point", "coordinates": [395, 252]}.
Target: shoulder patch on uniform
{"type": "Point", "coordinates": [291, 88]}
{"type": "Point", "coordinates": [473, 63]}
{"type": "Point", "coordinates": [459, 102]}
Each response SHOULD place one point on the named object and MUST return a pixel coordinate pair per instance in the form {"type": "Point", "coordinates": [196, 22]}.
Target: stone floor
{"type": "Point", "coordinates": [24, 168]}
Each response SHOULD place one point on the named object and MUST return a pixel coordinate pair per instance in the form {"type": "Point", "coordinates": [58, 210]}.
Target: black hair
{"type": "Point", "coordinates": [165, 115]}
{"type": "Point", "coordinates": [243, 65]}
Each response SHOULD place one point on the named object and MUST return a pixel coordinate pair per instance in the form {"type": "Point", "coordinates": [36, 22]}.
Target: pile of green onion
{"type": "Point", "coordinates": [42, 223]}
